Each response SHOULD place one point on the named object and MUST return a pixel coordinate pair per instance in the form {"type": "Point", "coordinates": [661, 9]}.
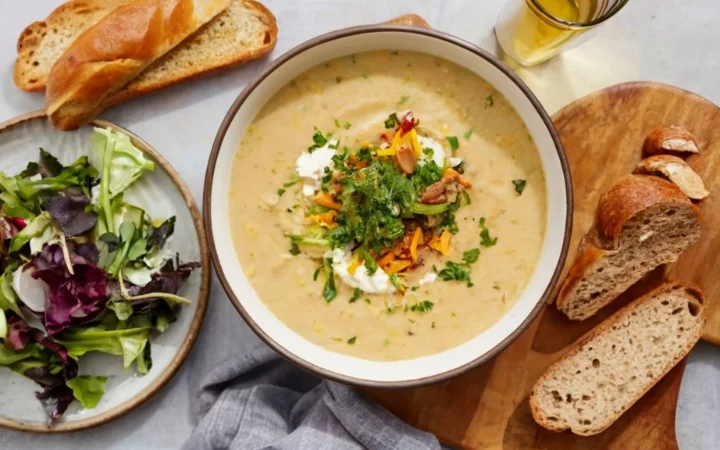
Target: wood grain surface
{"type": "Point", "coordinates": [487, 408]}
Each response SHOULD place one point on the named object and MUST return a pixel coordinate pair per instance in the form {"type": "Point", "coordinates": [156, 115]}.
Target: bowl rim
{"type": "Point", "coordinates": [202, 302]}
{"type": "Point", "coordinates": [359, 30]}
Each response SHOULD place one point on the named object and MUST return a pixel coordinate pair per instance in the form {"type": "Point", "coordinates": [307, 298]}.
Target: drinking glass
{"type": "Point", "coordinates": [533, 31]}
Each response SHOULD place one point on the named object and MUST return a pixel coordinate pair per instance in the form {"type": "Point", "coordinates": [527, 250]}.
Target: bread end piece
{"type": "Point", "coordinates": [668, 140]}
{"type": "Point", "coordinates": [613, 366]}
{"type": "Point", "coordinates": [676, 170]}
{"type": "Point", "coordinates": [642, 222]}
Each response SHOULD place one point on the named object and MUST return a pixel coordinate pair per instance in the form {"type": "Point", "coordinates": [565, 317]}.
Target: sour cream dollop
{"type": "Point", "coordinates": [427, 278]}
{"type": "Point", "coordinates": [311, 166]}
{"type": "Point", "coordinates": [438, 152]}
{"type": "Point", "coordinates": [377, 283]}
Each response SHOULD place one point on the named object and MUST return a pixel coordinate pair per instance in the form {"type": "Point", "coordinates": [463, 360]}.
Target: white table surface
{"type": "Point", "coordinates": [662, 40]}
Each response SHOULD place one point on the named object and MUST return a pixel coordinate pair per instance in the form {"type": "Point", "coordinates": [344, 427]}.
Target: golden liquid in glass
{"type": "Point", "coordinates": [538, 38]}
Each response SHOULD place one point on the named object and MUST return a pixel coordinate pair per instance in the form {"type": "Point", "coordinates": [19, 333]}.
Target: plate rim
{"type": "Point", "coordinates": [197, 321]}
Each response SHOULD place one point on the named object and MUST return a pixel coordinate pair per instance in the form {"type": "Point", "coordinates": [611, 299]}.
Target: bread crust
{"type": "Point", "coordinates": [629, 196]}
{"type": "Point", "coordinates": [669, 139]}
{"type": "Point", "coordinates": [32, 36]}
{"type": "Point", "coordinates": [133, 89]}
{"type": "Point", "coordinates": [115, 50]}
{"type": "Point", "coordinates": [692, 289]}
{"type": "Point", "coordinates": [30, 41]}
{"type": "Point", "coordinates": [677, 171]}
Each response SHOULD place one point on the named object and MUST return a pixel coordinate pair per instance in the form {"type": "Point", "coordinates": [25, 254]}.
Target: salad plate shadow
{"type": "Point", "coordinates": [161, 194]}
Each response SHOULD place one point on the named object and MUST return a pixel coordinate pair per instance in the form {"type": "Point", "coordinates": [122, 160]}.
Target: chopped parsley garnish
{"type": "Point", "coordinates": [424, 306]}
{"type": "Point", "coordinates": [519, 186]}
{"type": "Point", "coordinates": [396, 282]}
{"type": "Point", "coordinates": [414, 288]}
{"type": "Point", "coordinates": [427, 151]}
{"type": "Point", "coordinates": [352, 340]}
{"type": "Point", "coordinates": [368, 301]}
{"type": "Point", "coordinates": [489, 101]}
{"type": "Point", "coordinates": [485, 239]}
{"type": "Point", "coordinates": [470, 256]}
{"type": "Point", "coordinates": [368, 261]}
{"type": "Point", "coordinates": [356, 295]}
{"type": "Point", "coordinates": [337, 123]}
{"type": "Point", "coordinates": [456, 272]}
{"type": "Point", "coordinates": [468, 133]}
{"type": "Point", "coordinates": [403, 99]}
{"type": "Point", "coordinates": [347, 125]}
{"type": "Point", "coordinates": [317, 273]}
{"type": "Point", "coordinates": [453, 141]}
{"type": "Point", "coordinates": [466, 197]}
{"type": "Point", "coordinates": [319, 140]}
{"type": "Point", "coordinates": [294, 248]}
{"type": "Point", "coordinates": [425, 175]}
{"type": "Point", "coordinates": [329, 291]}
{"type": "Point", "coordinates": [386, 342]}
{"type": "Point", "coordinates": [391, 121]}
{"type": "Point", "coordinates": [371, 199]}
{"type": "Point", "coordinates": [280, 192]}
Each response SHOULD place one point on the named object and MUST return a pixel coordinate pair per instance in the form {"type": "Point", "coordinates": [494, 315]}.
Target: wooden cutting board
{"type": "Point", "coordinates": [487, 408]}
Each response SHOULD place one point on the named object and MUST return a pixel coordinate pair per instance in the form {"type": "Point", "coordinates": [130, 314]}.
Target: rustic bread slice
{"type": "Point", "coordinates": [677, 171]}
{"type": "Point", "coordinates": [42, 43]}
{"type": "Point", "coordinates": [244, 31]}
{"type": "Point", "coordinates": [607, 371]}
{"type": "Point", "coordinates": [642, 222]}
{"type": "Point", "coordinates": [668, 140]}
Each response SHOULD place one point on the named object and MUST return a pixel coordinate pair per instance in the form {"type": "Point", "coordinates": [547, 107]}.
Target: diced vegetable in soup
{"type": "Point", "coordinates": [388, 205]}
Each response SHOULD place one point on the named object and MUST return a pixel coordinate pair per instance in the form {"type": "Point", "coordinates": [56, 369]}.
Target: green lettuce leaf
{"type": "Point", "coordinates": [9, 357]}
{"type": "Point", "coordinates": [126, 162]}
{"type": "Point", "coordinates": [36, 228]}
{"type": "Point", "coordinates": [129, 342]}
{"type": "Point", "coordinates": [8, 298]}
{"type": "Point", "coordinates": [87, 389]}
{"type": "Point", "coordinates": [79, 173]}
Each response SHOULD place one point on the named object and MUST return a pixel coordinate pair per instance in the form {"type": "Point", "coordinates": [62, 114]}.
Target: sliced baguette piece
{"type": "Point", "coordinates": [641, 222]}
{"type": "Point", "coordinates": [668, 140]}
{"type": "Point", "coordinates": [677, 171]}
{"type": "Point", "coordinates": [608, 370]}
{"type": "Point", "coordinates": [246, 30]}
{"type": "Point", "coordinates": [109, 54]}
{"type": "Point", "coordinates": [41, 43]}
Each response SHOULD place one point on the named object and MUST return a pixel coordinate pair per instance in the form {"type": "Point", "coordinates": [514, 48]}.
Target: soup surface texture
{"type": "Point", "coordinates": [348, 102]}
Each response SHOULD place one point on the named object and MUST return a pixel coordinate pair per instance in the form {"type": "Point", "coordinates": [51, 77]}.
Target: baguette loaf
{"type": "Point", "coordinates": [607, 371]}
{"type": "Point", "coordinates": [115, 50]}
{"type": "Point", "coordinates": [642, 222]}
{"type": "Point", "coordinates": [244, 31]}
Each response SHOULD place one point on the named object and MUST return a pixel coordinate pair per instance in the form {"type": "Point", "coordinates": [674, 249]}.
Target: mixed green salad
{"type": "Point", "coordinates": [82, 270]}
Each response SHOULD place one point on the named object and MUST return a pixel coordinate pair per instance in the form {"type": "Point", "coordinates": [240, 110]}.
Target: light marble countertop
{"type": "Point", "coordinates": [662, 40]}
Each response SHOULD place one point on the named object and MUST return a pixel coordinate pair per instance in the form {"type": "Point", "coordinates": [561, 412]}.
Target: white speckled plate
{"type": "Point", "coordinates": [162, 194]}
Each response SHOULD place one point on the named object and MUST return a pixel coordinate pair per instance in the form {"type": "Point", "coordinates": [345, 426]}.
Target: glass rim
{"type": "Point", "coordinates": [611, 12]}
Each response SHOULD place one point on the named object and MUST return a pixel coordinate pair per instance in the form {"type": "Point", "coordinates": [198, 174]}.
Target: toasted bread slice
{"type": "Point", "coordinates": [244, 31]}
{"type": "Point", "coordinates": [607, 371]}
{"type": "Point", "coordinates": [642, 222]}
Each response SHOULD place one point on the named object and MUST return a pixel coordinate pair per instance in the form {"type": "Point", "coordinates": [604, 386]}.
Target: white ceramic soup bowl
{"type": "Point", "coordinates": [346, 368]}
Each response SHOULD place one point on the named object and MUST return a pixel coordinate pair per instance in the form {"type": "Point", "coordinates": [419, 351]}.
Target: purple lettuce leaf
{"type": "Point", "coordinates": [67, 208]}
{"type": "Point", "coordinates": [51, 377]}
{"type": "Point", "coordinates": [74, 299]}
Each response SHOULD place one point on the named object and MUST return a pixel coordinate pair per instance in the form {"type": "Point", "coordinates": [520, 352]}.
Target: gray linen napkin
{"type": "Point", "coordinates": [260, 401]}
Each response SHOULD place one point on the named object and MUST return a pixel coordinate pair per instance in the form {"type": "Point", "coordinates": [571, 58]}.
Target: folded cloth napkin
{"type": "Point", "coordinates": [260, 401]}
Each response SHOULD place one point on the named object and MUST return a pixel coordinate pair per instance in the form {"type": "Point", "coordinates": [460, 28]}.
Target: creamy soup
{"type": "Point", "coordinates": [436, 301]}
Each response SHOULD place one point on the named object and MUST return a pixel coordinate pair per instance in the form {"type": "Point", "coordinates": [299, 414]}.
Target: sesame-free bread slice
{"type": "Point", "coordinates": [607, 371]}
{"type": "Point", "coordinates": [641, 222]}
{"type": "Point", "coordinates": [244, 31]}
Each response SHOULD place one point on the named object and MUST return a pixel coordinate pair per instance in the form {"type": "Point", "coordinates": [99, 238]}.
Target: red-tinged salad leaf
{"type": "Point", "coordinates": [74, 298]}
{"type": "Point", "coordinates": [79, 173]}
{"type": "Point", "coordinates": [69, 210]}
{"type": "Point", "coordinates": [43, 360]}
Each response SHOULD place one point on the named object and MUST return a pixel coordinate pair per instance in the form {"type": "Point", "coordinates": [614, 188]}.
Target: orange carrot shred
{"type": "Point", "coordinates": [414, 243]}
{"type": "Point", "coordinates": [327, 200]}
